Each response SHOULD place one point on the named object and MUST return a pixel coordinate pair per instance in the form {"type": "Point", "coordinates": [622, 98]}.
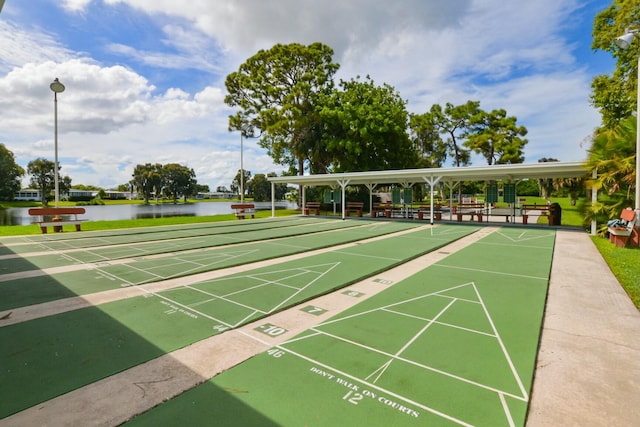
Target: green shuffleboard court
{"type": "Point", "coordinates": [454, 344]}
{"type": "Point", "coordinates": [49, 356]}
{"type": "Point", "coordinates": [106, 275]}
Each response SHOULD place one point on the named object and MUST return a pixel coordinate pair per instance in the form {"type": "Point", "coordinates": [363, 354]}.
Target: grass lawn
{"type": "Point", "coordinates": [19, 230]}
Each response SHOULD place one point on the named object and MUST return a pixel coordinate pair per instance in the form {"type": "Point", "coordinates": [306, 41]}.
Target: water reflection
{"type": "Point", "coordinates": [20, 216]}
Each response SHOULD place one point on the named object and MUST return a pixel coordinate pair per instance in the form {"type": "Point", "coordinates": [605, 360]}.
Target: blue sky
{"type": "Point", "coordinates": [145, 78]}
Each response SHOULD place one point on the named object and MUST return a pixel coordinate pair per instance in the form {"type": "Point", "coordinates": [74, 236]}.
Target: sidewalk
{"type": "Point", "coordinates": [588, 368]}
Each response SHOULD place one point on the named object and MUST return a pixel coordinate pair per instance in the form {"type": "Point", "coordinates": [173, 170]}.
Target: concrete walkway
{"type": "Point", "coordinates": [588, 369]}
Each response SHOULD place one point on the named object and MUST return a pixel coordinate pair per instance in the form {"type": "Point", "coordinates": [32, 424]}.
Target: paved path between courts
{"type": "Point", "coordinates": [587, 374]}
{"type": "Point", "coordinates": [588, 368]}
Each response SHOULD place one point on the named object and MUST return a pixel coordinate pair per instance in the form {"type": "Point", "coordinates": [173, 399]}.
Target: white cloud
{"type": "Point", "coordinates": [510, 55]}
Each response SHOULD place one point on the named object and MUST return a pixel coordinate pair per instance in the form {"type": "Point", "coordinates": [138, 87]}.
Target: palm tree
{"type": "Point", "coordinates": [612, 154]}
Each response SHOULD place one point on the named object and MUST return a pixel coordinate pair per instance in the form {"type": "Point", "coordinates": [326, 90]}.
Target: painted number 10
{"type": "Point", "coordinates": [271, 330]}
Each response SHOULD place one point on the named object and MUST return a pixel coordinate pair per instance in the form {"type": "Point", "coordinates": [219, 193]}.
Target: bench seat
{"type": "Point", "coordinates": [472, 209]}
{"type": "Point", "coordinates": [619, 235]}
{"type": "Point", "coordinates": [312, 207]}
{"type": "Point", "coordinates": [243, 210]}
{"type": "Point", "coordinates": [355, 207]}
{"type": "Point", "coordinates": [543, 210]}
{"type": "Point", "coordinates": [54, 217]}
{"type": "Point", "coordinates": [381, 209]}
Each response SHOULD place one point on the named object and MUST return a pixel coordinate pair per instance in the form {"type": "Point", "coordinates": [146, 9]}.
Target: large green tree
{"type": "Point", "coordinates": [496, 137]}
{"type": "Point", "coordinates": [236, 184]}
{"type": "Point", "coordinates": [147, 180]}
{"type": "Point", "coordinates": [178, 181]}
{"type": "Point", "coordinates": [427, 142]}
{"type": "Point", "coordinates": [615, 95]}
{"type": "Point", "coordinates": [276, 91]}
{"type": "Point", "coordinates": [364, 128]}
{"type": "Point", "coordinates": [259, 188]}
{"type": "Point", "coordinates": [43, 178]}
{"type": "Point", "coordinates": [10, 174]}
{"type": "Point", "coordinates": [444, 130]}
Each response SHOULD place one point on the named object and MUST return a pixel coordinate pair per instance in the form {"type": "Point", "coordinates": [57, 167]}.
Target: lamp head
{"type": "Point", "coordinates": [624, 41]}
{"type": "Point", "coordinates": [56, 86]}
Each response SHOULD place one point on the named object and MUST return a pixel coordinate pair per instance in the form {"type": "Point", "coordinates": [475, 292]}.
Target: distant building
{"type": "Point", "coordinates": [216, 195]}
{"type": "Point", "coordinates": [28, 194]}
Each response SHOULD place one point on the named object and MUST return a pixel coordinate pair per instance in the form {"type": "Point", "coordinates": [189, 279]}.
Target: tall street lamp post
{"type": "Point", "coordinates": [624, 42]}
{"type": "Point", "coordinates": [241, 167]}
{"type": "Point", "coordinates": [57, 88]}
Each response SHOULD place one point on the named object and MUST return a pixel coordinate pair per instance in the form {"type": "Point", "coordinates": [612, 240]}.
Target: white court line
{"type": "Point", "coordinates": [305, 287]}
{"type": "Point", "coordinates": [525, 395]}
{"type": "Point", "coordinates": [378, 388]}
{"type": "Point", "coordinates": [507, 411]}
{"type": "Point", "coordinates": [410, 362]}
{"type": "Point", "coordinates": [520, 239]}
{"type": "Point", "coordinates": [367, 256]}
{"type": "Point", "coordinates": [492, 272]}
{"type": "Point", "coordinates": [392, 305]}
{"type": "Point", "coordinates": [511, 245]}
{"type": "Point", "coordinates": [430, 322]}
{"type": "Point", "coordinates": [449, 325]}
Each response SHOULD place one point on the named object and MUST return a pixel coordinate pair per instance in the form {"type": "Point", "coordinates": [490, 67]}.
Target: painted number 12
{"type": "Point", "coordinates": [353, 398]}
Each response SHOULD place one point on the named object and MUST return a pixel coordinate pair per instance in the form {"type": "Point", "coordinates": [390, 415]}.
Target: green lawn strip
{"type": "Point", "coordinates": [53, 355]}
{"type": "Point", "coordinates": [117, 237]}
{"type": "Point", "coordinates": [376, 361]}
{"type": "Point", "coordinates": [102, 254]}
{"type": "Point", "coordinates": [34, 290]}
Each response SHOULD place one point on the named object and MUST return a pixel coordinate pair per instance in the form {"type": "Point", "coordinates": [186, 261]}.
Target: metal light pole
{"type": "Point", "coordinates": [241, 167]}
{"type": "Point", "coordinates": [57, 88]}
{"type": "Point", "coordinates": [624, 42]}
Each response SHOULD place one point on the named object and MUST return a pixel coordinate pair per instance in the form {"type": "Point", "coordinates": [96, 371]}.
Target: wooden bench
{"type": "Point", "coordinates": [53, 217]}
{"type": "Point", "coordinates": [542, 209]}
{"type": "Point", "coordinates": [355, 207]}
{"type": "Point", "coordinates": [471, 209]}
{"type": "Point", "coordinates": [437, 212]}
{"type": "Point", "coordinates": [381, 209]}
{"type": "Point", "coordinates": [312, 207]}
{"type": "Point", "coordinates": [244, 209]}
{"type": "Point", "coordinates": [499, 212]}
{"type": "Point", "coordinates": [620, 232]}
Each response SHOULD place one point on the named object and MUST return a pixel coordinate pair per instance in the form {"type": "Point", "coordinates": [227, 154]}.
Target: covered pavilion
{"type": "Point", "coordinates": [448, 177]}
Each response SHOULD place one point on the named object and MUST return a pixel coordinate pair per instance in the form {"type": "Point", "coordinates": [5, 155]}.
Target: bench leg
{"type": "Point", "coordinates": [44, 230]}
{"type": "Point", "coordinates": [305, 211]}
{"type": "Point", "coordinates": [77, 227]}
{"type": "Point", "coordinates": [525, 218]}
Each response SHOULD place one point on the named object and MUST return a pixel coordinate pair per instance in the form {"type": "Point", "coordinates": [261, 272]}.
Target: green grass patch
{"type": "Point", "coordinates": [19, 230]}
{"type": "Point", "coordinates": [625, 265]}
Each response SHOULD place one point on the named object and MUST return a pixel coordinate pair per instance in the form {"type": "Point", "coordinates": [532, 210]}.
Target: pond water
{"type": "Point", "coordinates": [20, 216]}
